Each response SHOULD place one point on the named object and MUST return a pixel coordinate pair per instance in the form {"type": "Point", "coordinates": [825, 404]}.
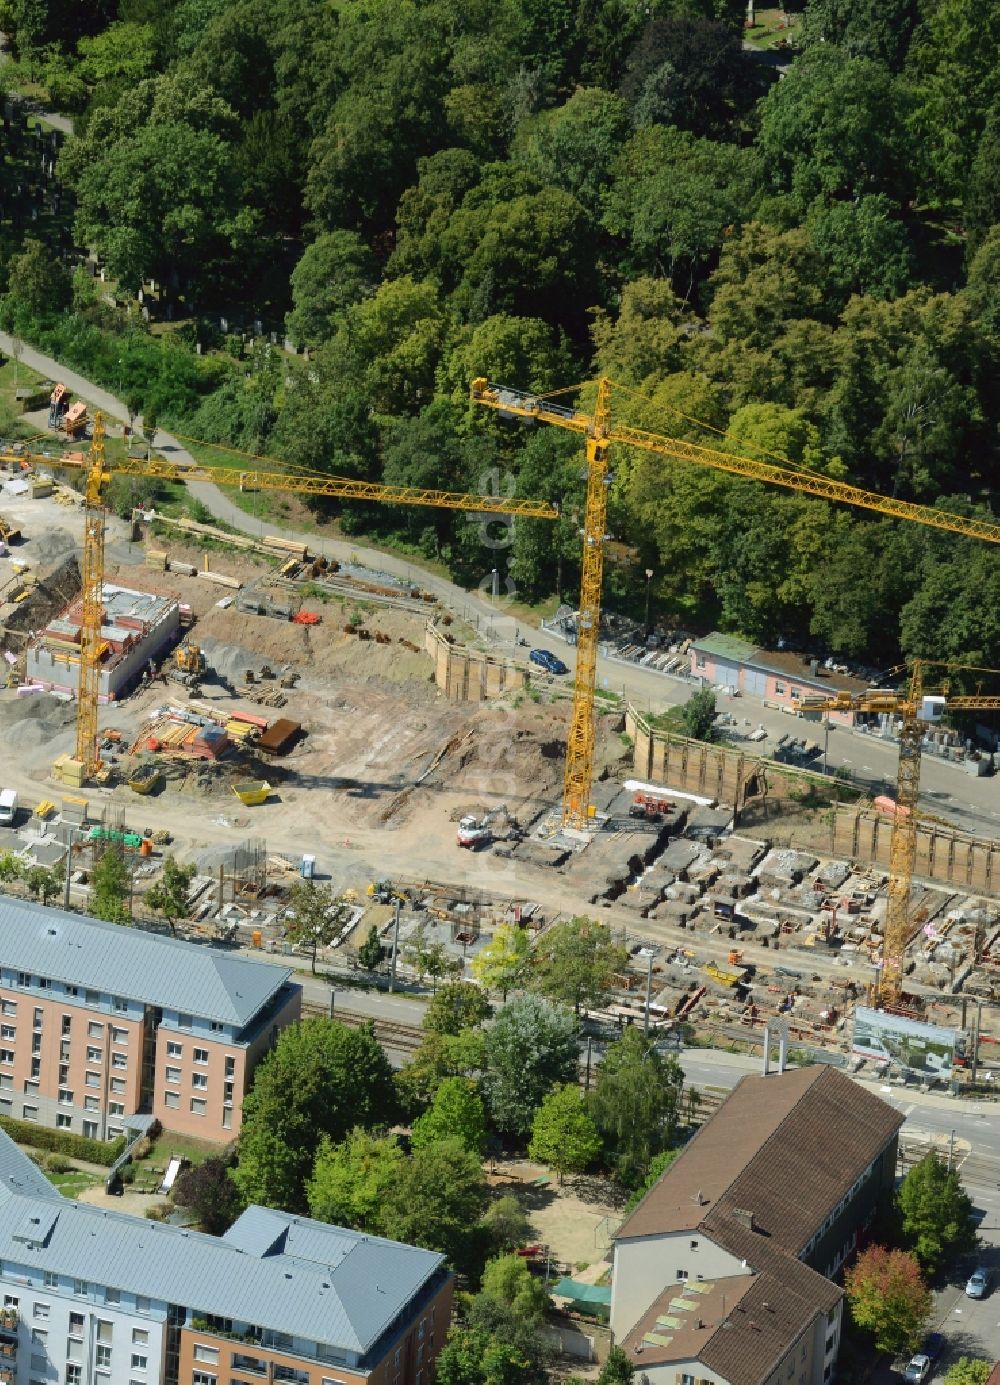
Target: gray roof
{"type": "Point", "coordinates": [147, 967]}
{"type": "Point", "coordinates": [273, 1270]}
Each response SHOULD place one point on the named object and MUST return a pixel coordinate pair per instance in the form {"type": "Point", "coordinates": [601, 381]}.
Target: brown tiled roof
{"type": "Point", "coordinates": [684, 1318]}
{"type": "Point", "coordinates": [785, 1147]}
{"type": "Point", "coordinates": [994, 1378]}
{"type": "Point", "coordinates": [796, 667]}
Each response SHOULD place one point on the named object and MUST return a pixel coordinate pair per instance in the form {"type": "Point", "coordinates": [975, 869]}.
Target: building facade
{"type": "Point", "coordinates": [725, 1272]}
{"type": "Point", "coordinates": [99, 1022]}
{"type": "Point", "coordinates": [101, 1298]}
{"type": "Point", "coordinates": [778, 677]}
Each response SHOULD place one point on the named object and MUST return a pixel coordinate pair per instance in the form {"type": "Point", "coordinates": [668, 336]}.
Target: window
{"type": "Point", "coordinates": [73, 991]}
{"type": "Point", "coordinates": [200, 1055]}
{"type": "Point", "coordinates": [105, 1330]}
{"type": "Point", "coordinates": [174, 1049]}
{"type": "Point", "coordinates": [8, 1007]}
{"type": "Point", "coordinates": [6, 1082]}
{"type": "Point", "coordinates": [36, 1071]}
{"type": "Point", "coordinates": [140, 1338]}
{"type": "Point", "coordinates": [80, 1286]}
{"type": "Point", "coordinates": [29, 1113]}
{"type": "Point", "coordinates": [39, 1336]}
{"type": "Point", "coordinates": [103, 1357]}
{"type": "Point", "coordinates": [183, 1021]}
{"type": "Point", "coordinates": [119, 1060]}
{"type": "Point", "coordinates": [36, 1043]}
{"type": "Point", "coordinates": [115, 1108]}
{"type": "Point", "coordinates": [74, 1373]}
{"type": "Point", "coordinates": [76, 1319]}
{"type": "Point", "coordinates": [172, 1099]}
{"type": "Point", "coordinates": [90, 1130]}
{"type": "Point", "coordinates": [230, 1065]}
{"type": "Point", "coordinates": [44, 983]}
{"type": "Point", "coordinates": [24, 979]}
{"type": "Point", "coordinates": [67, 1023]}
{"type": "Point", "coordinates": [41, 1310]}
{"type": "Point", "coordinates": [215, 1026]}
{"type": "Point", "coordinates": [112, 1296]}
{"type": "Point", "coordinates": [90, 1103]}
{"type": "Point", "coordinates": [779, 688]}
{"type": "Point", "coordinates": [120, 1004]}
{"type": "Point", "coordinates": [138, 1361]}
{"type": "Point", "coordinates": [93, 1054]}
{"type": "Point", "coordinates": [11, 1301]}
{"type": "Point", "coordinates": [694, 1245]}
{"type": "Point", "coordinates": [8, 1031]}
{"type": "Point", "coordinates": [208, 1355]}
{"type": "Point", "coordinates": [6, 1055]}
{"type": "Point", "coordinates": [92, 997]}
{"type": "Point", "coordinates": [142, 1305]}
{"type": "Point", "coordinates": [119, 1036]}
{"type": "Point", "coordinates": [682, 1274]}
{"type": "Point", "coordinates": [687, 1380]}
{"type": "Point", "coordinates": [118, 1085]}
{"type": "Point", "coordinates": [115, 1132]}
{"type": "Point", "coordinates": [92, 1079]}
{"type": "Point", "coordinates": [198, 1105]}
{"type": "Point", "coordinates": [63, 1121]}
{"type": "Point", "coordinates": [796, 694]}
{"type": "Point", "coordinates": [202, 1378]}
{"type": "Point", "coordinates": [199, 1079]}
{"type": "Point", "coordinates": [95, 1029]}
{"type": "Point", "coordinates": [173, 1074]}
{"type": "Point", "coordinates": [50, 1279]}
{"type": "Point", "coordinates": [65, 1096]}
{"type": "Point", "coordinates": [227, 1118]}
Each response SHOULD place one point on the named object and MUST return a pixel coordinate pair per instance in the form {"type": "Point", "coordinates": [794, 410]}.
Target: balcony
{"type": "Point", "coordinates": [249, 1364]}
{"type": "Point", "coordinates": [8, 1349]}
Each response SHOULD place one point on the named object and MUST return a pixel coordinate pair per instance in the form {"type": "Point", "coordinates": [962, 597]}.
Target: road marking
{"type": "Point", "coordinates": [909, 1110]}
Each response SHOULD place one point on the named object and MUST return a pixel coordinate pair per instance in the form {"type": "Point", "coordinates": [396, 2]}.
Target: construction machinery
{"type": "Point", "coordinates": [917, 708]}
{"type": "Point", "coordinates": [86, 762]}
{"type": "Point", "coordinates": [189, 666]}
{"type": "Point", "coordinates": [601, 432]}
{"type": "Point", "coordinates": [496, 825]}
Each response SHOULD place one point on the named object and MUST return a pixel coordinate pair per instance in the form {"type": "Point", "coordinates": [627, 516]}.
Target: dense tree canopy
{"type": "Point", "coordinates": [539, 191]}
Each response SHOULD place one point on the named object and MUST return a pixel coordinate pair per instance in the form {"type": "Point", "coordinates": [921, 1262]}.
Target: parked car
{"type": "Point", "coordinates": [547, 661]}
{"type": "Point", "coordinates": [980, 1283]}
{"type": "Point", "coordinates": [918, 1369]}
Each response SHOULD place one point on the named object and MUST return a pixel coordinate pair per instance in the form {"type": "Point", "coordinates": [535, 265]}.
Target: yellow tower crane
{"type": "Point", "coordinates": [98, 472]}
{"type": "Point", "coordinates": [601, 431]}
{"type": "Point", "coordinates": [917, 707]}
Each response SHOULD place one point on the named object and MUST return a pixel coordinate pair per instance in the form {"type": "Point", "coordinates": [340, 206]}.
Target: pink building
{"type": "Point", "coordinates": [779, 678]}
{"type": "Point", "coordinates": [100, 1022]}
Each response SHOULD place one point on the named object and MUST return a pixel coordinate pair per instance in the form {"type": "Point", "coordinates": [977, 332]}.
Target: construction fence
{"type": "Point", "coordinates": [469, 675]}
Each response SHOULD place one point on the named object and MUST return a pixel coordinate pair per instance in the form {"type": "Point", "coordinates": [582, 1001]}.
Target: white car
{"type": "Point", "coordinates": [8, 807]}
{"type": "Point", "coordinates": [918, 1370]}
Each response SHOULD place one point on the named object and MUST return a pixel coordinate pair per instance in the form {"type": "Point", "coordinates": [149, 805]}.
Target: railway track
{"type": "Point", "coordinates": [391, 1034]}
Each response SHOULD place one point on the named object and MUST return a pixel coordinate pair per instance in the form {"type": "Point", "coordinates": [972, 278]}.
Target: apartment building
{"type": "Point", "coordinates": [98, 1022]}
{"type": "Point", "coordinates": [102, 1298]}
{"type": "Point", "coordinates": [725, 1273]}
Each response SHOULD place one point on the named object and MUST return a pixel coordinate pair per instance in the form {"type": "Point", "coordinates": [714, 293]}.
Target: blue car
{"type": "Point", "coordinates": [547, 661]}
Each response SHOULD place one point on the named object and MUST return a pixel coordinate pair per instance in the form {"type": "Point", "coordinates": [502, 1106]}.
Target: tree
{"type": "Point", "coordinates": [456, 1006]}
{"type": "Point", "coordinates": [573, 145]}
{"type": "Point", "coordinates": [508, 1223]}
{"type": "Point", "coordinates": [169, 896]}
{"type": "Point", "coordinates": [531, 1047]}
{"type": "Point", "coordinates": [501, 964]}
{"type": "Point", "coordinates": [110, 886]}
{"type": "Point", "coordinates": [575, 961]}
{"type": "Point", "coordinates": [690, 73]}
{"type": "Point", "coordinates": [371, 953]}
{"type": "Point", "coordinates": [210, 1191]}
{"type": "Point", "coordinates": [44, 882]}
{"type": "Point", "coordinates": [456, 1112]}
{"type": "Point", "coordinates": [635, 1103]}
{"type": "Point", "coordinates": [350, 1180]}
{"type": "Point", "coordinates": [474, 1355]}
{"type": "Point", "coordinates": [563, 1134]}
{"type": "Point", "coordinates": [320, 1079]}
{"type": "Point", "coordinates": [877, 29]}
{"type": "Point", "coordinates": [439, 1056]}
{"type": "Point", "coordinates": [436, 1201]}
{"type": "Point", "coordinates": [509, 1280]}
{"type": "Point", "coordinates": [658, 1166]}
{"type": "Point", "coordinates": [698, 716]}
{"type": "Point", "coordinates": [310, 920]}
{"type": "Point", "coordinates": [889, 1298]}
{"type": "Point", "coordinates": [430, 957]}
{"type": "Point", "coordinates": [336, 270]}
{"type": "Point", "coordinates": [617, 1369]}
{"type": "Point", "coordinates": [968, 1371]}
{"type": "Point", "coordinates": [936, 1214]}
{"type": "Point", "coordinates": [40, 287]}
{"type": "Point", "coordinates": [11, 867]}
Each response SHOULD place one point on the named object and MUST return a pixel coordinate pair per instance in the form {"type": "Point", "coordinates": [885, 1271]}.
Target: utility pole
{"type": "Point", "coordinates": [649, 953]}
{"type": "Point", "coordinates": [951, 1151]}
{"type": "Point", "coordinates": [975, 1042]}
{"type": "Point", "coordinates": [395, 948]}
{"type": "Point", "coordinates": [70, 831]}
{"type": "Point", "coordinates": [586, 1082]}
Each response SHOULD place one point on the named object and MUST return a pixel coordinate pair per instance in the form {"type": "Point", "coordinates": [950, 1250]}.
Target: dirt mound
{"type": "Point", "coordinates": [33, 721]}
{"type": "Point", "coordinates": [51, 594]}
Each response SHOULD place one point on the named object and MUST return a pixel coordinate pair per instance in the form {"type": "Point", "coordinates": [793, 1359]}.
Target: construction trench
{"type": "Point", "coordinates": [376, 761]}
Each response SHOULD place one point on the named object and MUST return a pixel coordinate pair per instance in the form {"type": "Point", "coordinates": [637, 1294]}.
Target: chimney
{"type": "Point", "coordinates": [745, 1217]}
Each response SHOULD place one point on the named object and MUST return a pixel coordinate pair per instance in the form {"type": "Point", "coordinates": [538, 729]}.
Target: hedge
{"type": "Point", "coordinates": [63, 1141]}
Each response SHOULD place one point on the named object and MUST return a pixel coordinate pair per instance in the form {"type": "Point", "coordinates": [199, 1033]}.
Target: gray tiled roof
{"type": "Point", "coordinates": [273, 1270]}
{"type": "Point", "coordinates": [147, 967]}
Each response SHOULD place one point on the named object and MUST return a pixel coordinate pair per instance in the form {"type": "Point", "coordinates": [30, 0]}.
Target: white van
{"type": "Point", "coordinates": [8, 807]}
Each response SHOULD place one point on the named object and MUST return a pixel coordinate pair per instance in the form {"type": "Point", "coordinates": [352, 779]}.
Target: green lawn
{"type": "Point", "coordinates": [771, 27]}
{"type": "Point", "coordinates": [166, 1145]}
{"type": "Point", "coordinates": [75, 1182]}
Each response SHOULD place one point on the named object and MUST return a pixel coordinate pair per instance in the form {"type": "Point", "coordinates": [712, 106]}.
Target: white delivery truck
{"type": "Point", "coordinates": [8, 807]}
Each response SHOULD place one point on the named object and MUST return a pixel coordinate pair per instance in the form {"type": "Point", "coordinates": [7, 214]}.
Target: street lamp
{"type": "Point", "coordinates": [649, 578]}
{"type": "Point", "coordinates": [649, 953]}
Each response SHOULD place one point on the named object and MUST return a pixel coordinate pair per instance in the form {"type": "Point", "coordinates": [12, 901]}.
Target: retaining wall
{"type": "Point", "coordinates": [469, 675]}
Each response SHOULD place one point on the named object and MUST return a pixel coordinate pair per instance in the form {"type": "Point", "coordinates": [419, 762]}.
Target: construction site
{"type": "Point", "coordinates": [256, 705]}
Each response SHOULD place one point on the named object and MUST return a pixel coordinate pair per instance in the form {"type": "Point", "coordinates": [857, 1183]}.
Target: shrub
{"type": "Point", "coordinates": [159, 1211]}
{"type": "Point", "coordinates": [63, 1141]}
{"type": "Point", "coordinates": [57, 1163]}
